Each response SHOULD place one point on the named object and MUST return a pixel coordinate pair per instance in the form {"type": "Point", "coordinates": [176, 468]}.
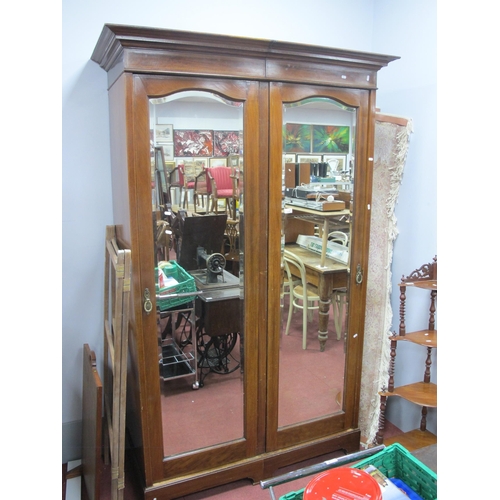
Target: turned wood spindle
{"type": "Point", "coordinates": [392, 362]}
{"type": "Point", "coordinates": [428, 363]}
{"type": "Point", "coordinates": [432, 311]}
{"type": "Point", "coordinates": [423, 421]}
{"type": "Point", "coordinates": [379, 437]}
{"type": "Point", "coordinates": [402, 300]}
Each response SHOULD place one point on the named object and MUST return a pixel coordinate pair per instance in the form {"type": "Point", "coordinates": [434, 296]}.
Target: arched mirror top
{"type": "Point", "coordinates": [192, 96]}
{"type": "Point", "coordinates": [320, 103]}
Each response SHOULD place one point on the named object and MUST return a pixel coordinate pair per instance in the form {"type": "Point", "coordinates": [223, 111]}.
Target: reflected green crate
{"type": "Point", "coordinates": [185, 284]}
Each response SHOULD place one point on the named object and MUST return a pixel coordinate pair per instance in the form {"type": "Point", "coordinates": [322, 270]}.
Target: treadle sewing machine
{"type": "Point", "coordinates": [218, 307]}
{"type": "Point", "coordinates": [212, 273]}
{"type": "Point", "coordinates": [219, 315]}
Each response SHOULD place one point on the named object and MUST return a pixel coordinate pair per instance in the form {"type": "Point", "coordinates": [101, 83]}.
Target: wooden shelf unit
{"type": "Point", "coordinates": [422, 393]}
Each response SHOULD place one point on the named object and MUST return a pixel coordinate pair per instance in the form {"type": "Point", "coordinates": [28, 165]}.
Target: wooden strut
{"type": "Point", "coordinates": [116, 324]}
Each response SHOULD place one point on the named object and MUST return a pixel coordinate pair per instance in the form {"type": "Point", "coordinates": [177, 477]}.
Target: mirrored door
{"type": "Point", "coordinates": [318, 160]}
{"type": "Point", "coordinates": [316, 132]}
{"type": "Point", "coordinates": [198, 171]}
{"type": "Point", "coordinates": [201, 374]}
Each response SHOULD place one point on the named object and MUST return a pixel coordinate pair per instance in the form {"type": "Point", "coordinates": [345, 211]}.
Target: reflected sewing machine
{"type": "Point", "coordinates": [219, 313]}
{"type": "Point", "coordinates": [212, 274]}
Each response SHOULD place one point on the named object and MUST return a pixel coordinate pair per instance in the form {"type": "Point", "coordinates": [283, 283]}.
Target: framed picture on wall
{"type": "Point", "coordinates": [168, 151]}
{"type": "Point", "coordinates": [182, 161]}
{"type": "Point", "coordinates": [226, 142]}
{"type": "Point", "coordinates": [193, 168]}
{"type": "Point", "coordinates": [164, 133]}
{"type": "Point", "coordinates": [218, 162]}
{"type": "Point", "coordinates": [233, 160]}
{"type": "Point", "coordinates": [201, 163]}
{"type": "Point", "coordinates": [169, 165]}
{"type": "Point", "coordinates": [193, 142]}
{"type": "Point", "coordinates": [296, 138]}
{"type": "Point", "coordinates": [308, 158]}
{"type": "Point", "coordinates": [289, 158]}
{"type": "Point", "coordinates": [330, 139]}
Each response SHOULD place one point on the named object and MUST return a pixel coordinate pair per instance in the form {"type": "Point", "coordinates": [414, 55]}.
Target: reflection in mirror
{"type": "Point", "coordinates": [197, 200]}
{"type": "Point", "coordinates": [318, 169]}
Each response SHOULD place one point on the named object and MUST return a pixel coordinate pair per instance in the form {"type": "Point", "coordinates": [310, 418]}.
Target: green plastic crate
{"type": "Point", "coordinates": [395, 461]}
{"type": "Point", "coordinates": [293, 495]}
{"type": "Point", "coordinates": [185, 284]}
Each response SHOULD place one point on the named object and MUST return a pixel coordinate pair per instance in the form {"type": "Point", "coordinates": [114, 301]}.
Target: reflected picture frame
{"type": "Point", "coordinates": [309, 158]}
{"type": "Point", "coordinates": [233, 160]}
{"type": "Point", "coordinates": [169, 165]}
{"type": "Point", "coordinates": [330, 139]}
{"type": "Point", "coordinates": [218, 162]}
{"type": "Point", "coordinates": [226, 142]}
{"type": "Point", "coordinates": [188, 143]}
{"type": "Point", "coordinates": [168, 151]}
{"type": "Point", "coordinates": [164, 133]}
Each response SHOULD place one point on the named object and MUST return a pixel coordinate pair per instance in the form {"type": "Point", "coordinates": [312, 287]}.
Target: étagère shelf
{"type": "Point", "coordinates": [422, 393]}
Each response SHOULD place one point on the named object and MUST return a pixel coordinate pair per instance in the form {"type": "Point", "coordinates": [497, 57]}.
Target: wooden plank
{"type": "Point", "coordinates": [91, 428]}
{"type": "Point", "coordinates": [426, 338]}
{"type": "Point", "coordinates": [420, 393]}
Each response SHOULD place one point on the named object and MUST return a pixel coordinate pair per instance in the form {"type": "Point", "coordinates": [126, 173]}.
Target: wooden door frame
{"type": "Point", "coordinates": [347, 419]}
{"type": "Point", "coordinates": [157, 466]}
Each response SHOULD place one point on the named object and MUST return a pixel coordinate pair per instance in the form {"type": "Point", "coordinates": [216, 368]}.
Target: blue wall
{"type": "Point", "coordinates": [408, 87]}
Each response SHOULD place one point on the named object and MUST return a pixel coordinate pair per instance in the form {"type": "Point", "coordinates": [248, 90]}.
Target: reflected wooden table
{"type": "Point", "coordinates": [325, 277]}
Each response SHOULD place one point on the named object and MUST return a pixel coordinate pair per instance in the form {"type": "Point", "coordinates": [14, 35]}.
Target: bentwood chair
{"type": "Point", "coordinates": [339, 237]}
{"type": "Point", "coordinates": [303, 296]}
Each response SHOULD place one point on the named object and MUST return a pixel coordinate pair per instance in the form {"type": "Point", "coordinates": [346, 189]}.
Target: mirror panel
{"type": "Point", "coordinates": [318, 168]}
{"type": "Point", "coordinates": [197, 216]}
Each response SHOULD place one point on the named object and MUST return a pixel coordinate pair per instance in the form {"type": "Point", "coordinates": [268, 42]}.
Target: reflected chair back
{"type": "Point", "coordinates": [302, 296]}
{"type": "Point", "coordinates": [222, 187]}
{"type": "Point", "coordinates": [339, 237]}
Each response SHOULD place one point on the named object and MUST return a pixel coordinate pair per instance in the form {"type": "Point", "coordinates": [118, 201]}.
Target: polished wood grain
{"type": "Point", "coordinates": [143, 63]}
{"type": "Point", "coordinates": [92, 397]}
{"type": "Point", "coordinates": [420, 393]}
{"type": "Point", "coordinates": [422, 337]}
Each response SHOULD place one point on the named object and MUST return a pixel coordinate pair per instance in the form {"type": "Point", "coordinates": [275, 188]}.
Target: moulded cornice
{"type": "Point", "coordinates": [116, 39]}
